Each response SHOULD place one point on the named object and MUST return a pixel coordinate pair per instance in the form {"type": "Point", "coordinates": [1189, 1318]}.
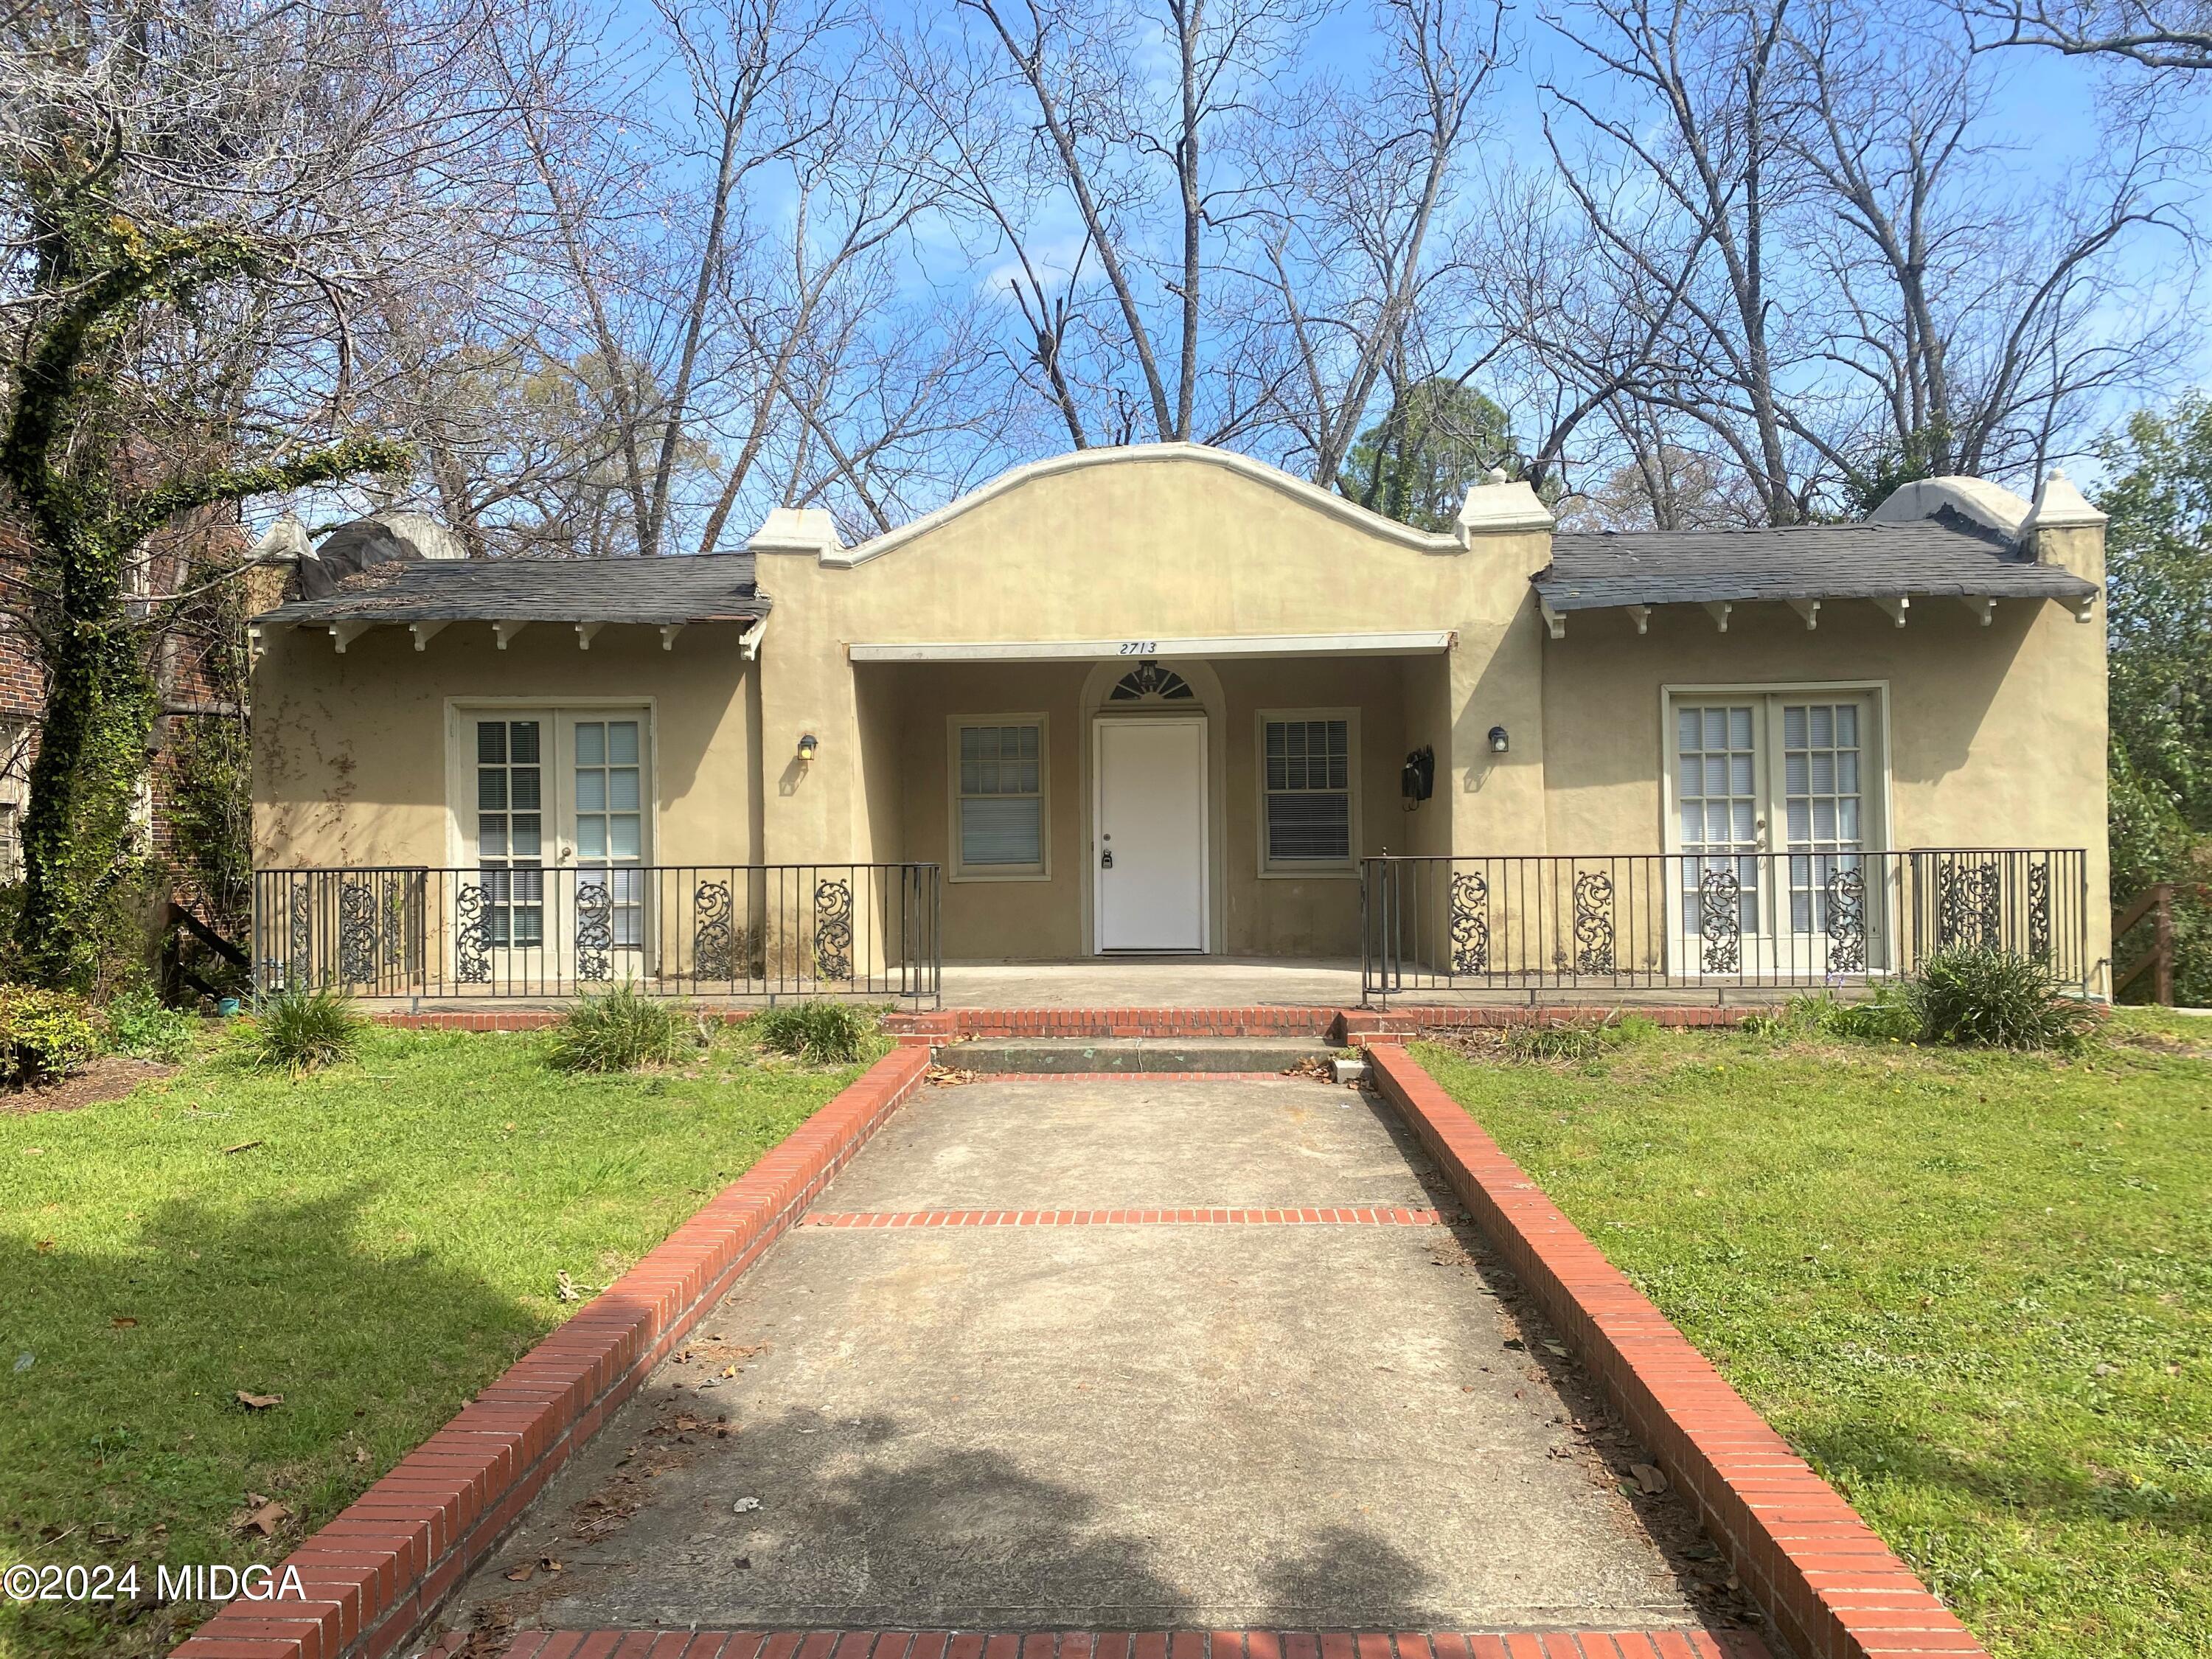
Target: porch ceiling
{"type": "Point", "coordinates": [1235, 645]}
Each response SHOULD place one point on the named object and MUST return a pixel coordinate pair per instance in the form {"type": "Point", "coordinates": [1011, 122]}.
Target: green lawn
{"type": "Point", "coordinates": [388, 1245]}
{"type": "Point", "coordinates": [1975, 1291]}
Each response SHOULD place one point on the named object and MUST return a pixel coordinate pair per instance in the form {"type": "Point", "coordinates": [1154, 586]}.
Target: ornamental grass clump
{"type": "Point", "coordinates": [299, 1030]}
{"type": "Point", "coordinates": [621, 1030]}
{"type": "Point", "coordinates": [1993, 998]}
{"type": "Point", "coordinates": [820, 1033]}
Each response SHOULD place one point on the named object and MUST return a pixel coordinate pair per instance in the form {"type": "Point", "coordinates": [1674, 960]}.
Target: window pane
{"type": "Point", "coordinates": [1003, 831]}
{"type": "Point", "coordinates": [1847, 724]}
{"type": "Point", "coordinates": [1685, 731]}
{"type": "Point", "coordinates": [591, 742]}
{"type": "Point", "coordinates": [491, 790]}
{"type": "Point", "coordinates": [1739, 774]}
{"type": "Point", "coordinates": [524, 786]}
{"type": "Point", "coordinates": [992, 760]}
{"type": "Point", "coordinates": [491, 742]}
{"type": "Point", "coordinates": [623, 837]}
{"type": "Point", "coordinates": [1824, 727]}
{"type": "Point", "coordinates": [527, 844]}
{"type": "Point", "coordinates": [622, 789]}
{"type": "Point", "coordinates": [591, 792]}
{"type": "Point", "coordinates": [1739, 728]}
{"type": "Point", "coordinates": [491, 834]}
{"type": "Point", "coordinates": [622, 743]}
{"type": "Point", "coordinates": [524, 743]}
{"type": "Point", "coordinates": [591, 838]}
{"type": "Point", "coordinates": [1312, 824]}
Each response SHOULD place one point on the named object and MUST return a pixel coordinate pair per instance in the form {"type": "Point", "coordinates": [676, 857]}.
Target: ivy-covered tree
{"type": "Point", "coordinates": [90, 493]}
{"type": "Point", "coordinates": [2159, 563]}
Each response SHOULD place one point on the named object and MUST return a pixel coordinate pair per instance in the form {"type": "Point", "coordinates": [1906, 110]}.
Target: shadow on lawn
{"type": "Point", "coordinates": [1868, 1454]}
{"type": "Point", "coordinates": [125, 1439]}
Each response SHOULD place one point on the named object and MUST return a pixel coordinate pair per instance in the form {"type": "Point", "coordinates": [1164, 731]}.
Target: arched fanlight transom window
{"type": "Point", "coordinates": [1150, 682]}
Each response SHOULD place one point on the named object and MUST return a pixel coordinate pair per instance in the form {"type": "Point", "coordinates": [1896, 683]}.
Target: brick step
{"type": "Point", "coordinates": [1015, 1056]}
{"type": "Point", "coordinates": [1153, 1644]}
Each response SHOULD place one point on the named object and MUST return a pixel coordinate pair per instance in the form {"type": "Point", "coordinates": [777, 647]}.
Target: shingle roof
{"type": "Point", "coordinates": [703, 587]}
{"type": "Point", "coordinates": [1940, 556]}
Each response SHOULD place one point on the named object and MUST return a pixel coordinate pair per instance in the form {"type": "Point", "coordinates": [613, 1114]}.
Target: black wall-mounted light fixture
{"type": "Point", "coordinates": [1499, 742]}
{"type": "Point", "coordinates": [808, 746]}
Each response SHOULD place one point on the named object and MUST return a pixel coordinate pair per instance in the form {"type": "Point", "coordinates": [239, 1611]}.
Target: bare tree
{"type": "Point", "coordinates": [2159, 34]}
{"type": "Point", "coordinates": [1354, 189]}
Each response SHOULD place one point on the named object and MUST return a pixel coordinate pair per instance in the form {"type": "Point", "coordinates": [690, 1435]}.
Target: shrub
{"type": "Point", "coordinates": [1580, 1040]}
{"type": "Point", "coordinates": [44, 1034]}
{"type": "Point", "coordinates": [299, 1030]}
{"type": "Point", "coordinates": [821, 1033]}
{"type": "Point", "coordinates": [1885, 1017]}
{"type": "Point", "coordinates": [620, 1030]}
{"type": "Point", "coordinates": [1992, 999]}
{"type": "Point", "coordinates": [140, 1025]}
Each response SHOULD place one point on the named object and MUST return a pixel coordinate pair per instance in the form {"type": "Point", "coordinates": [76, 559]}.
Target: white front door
{"type": "Point", "coordinates": [1150, 852]}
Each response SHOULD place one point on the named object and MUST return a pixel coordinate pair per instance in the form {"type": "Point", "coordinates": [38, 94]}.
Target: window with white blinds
{"type": "Point", "coordinates": [998, 783]}
{"type": "Point", "coordinates": [1306, 772]}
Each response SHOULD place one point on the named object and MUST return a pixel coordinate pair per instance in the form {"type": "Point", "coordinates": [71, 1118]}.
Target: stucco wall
{"type": "Point", "coordinates": [349, 751]}
{"type": "Point", "coordinates": [1996, 734]}
{"type": "Point", "coordinates": [1133, 550]}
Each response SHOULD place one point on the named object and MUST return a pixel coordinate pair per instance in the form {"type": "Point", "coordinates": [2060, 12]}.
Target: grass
{"type": "Point", "coordinates": [1973, 1289]}
{"type": "Point", "coordinates": [374, 1242]}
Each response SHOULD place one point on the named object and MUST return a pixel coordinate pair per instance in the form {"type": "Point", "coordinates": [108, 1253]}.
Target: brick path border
{"type": "Point", "coordinates": [1133, 1645]}
{"type": "Point", "coordinates": [380, 1571]}
{"type": "Point", "coordinates": [1811, 1563]}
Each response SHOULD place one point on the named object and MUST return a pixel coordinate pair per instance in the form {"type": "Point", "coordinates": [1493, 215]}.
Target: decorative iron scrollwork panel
{"type": "Point", "coordinates": [359, 916]}
{"type": "Point", "coordinates": [595, 930]}
{"type": "Point", "coordinates": [713, 941]}
{"type": "Point", "coordinates": [1594, 935]}
{"type": "Point", "coordinates": [301, 904]}
{"type": "Point", "coordinates": [2038, 910]}
{"type": "Point", "coordinates": [471, 936]}
{"type": "Point", "coordinates": [1844, 898]}
{"type": "Point", "coordinates": [1720, 922]}
{"type": "Point", "coordinates": [833, 928]}
{"type": "Point", "coordinates": [1470, 924]}
{"type": "Point", "coordinates": [1970, 905]}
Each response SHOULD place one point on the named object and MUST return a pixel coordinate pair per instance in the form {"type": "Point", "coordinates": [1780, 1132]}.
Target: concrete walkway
{"type": "Point", "coordinates": [1267, 1421]}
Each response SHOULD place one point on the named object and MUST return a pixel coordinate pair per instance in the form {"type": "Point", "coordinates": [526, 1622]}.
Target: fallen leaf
{"type": "Point", "coordinates": [745, 1506]}
{"type": "Point", "coordinates": [550, 1564]}
{"type": "Point", "coordinates": [523, 1574]}
{"type": "Point", "coordinates": [1648, 1477]}
{"type": "Point", "coordinates": [685, 1425]}
{"type": "Point", "coordinates": [122, 1322]}
{"type": "Point", "coordinates": [259, 1402]}
{"type": "Point", "coordinates": [728, 1370]}
{"type": "Point", "coordinates": [361, 1454]}
{"type": "Point", "coordinates": [1559, 1348]}
{"type": "Point", "coordinates": [266, 1519]}
{"type": "Point", "coordinates": [242, 1146]}
{"type": "Point", "coordinates": [564, 1288]}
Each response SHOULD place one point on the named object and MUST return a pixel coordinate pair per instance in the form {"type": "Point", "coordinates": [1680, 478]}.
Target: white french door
{"type": "Point", "coordinates": [555, 825]}
{"type": "Point", "coordinates": [1777, 798]}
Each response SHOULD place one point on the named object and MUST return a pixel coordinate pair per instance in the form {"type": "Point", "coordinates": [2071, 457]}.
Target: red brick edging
{"type": "Point", "coordinates": [1139, 1645]}
{"type": "Point", "coordinates": [1364, 1216]}
{"type": "Point", "coordinates": [378, 1572]}
{"type": "Point", "coordinates": [1833, 1588]}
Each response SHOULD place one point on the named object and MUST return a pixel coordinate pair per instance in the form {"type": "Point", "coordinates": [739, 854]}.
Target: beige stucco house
{"type": "Point", "coordinates": [1171, 699]}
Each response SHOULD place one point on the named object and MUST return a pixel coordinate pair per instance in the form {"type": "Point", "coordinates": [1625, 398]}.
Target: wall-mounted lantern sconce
{"type": "Point", "coordinates": [808, 746]}
{"type": "Point", "coordinates": [1499, 743]}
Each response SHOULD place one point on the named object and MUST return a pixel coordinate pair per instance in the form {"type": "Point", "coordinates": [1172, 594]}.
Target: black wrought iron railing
{"type": "Point", "coordinates": [761, 930]}
{"type": "Point", "coordinates": [1659, 920]}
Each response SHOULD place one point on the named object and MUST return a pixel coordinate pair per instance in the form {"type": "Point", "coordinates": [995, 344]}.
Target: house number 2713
{"type": "Point", "coordinates": [1139, 647]}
